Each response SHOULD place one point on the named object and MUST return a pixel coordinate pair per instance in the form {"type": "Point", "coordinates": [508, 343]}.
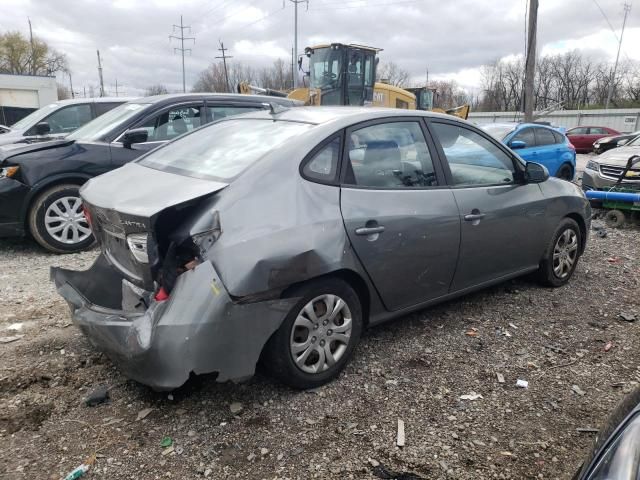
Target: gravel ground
{"type": "Point", "coordinates": [570, 344]}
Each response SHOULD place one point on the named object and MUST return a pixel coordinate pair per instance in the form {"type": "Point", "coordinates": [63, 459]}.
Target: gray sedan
{"type": "Point", "coordinates": [278, 236]}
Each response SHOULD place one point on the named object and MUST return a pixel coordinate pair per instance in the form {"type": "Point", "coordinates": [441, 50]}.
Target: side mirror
{"type": "Point", "coordinates": [517, 144]}
{"type": "Point", "coordinates": [535, 173]}
{"type": "Point", "coordinates": [43, 128]}
{"type": "Point", "coordinates": [135, 135]}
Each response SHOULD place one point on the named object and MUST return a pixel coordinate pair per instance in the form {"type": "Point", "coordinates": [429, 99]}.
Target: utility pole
{"type": "Point", "coordinates": [182, 38]}
{"type": "Point", "coordinates": [31, 67]}
{"type": "Point", "coordinates": [224, 62]}
{"type": "Point", "coordinates": [427, 82]}
{"type": "Point", "coordinates": [295, 34]}
{"type": "Point", "coordinates": [293, 70]}
{"type": "Point", "coordinates": [627, 9]}
{"type": "Point", "coordinates": [100, 75]}
{"type": "Point", "coordinates": [73, 95]}
{"type": "Point", "coordinates": [116, 87]}
{"type": "Point", "coordinates": [530, 61]}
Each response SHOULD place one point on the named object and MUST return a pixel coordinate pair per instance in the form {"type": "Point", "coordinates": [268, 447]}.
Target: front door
{"type": "Point", "coordinates": [500, 215]}
{"type": "Point", "coordinates": [402, 223]}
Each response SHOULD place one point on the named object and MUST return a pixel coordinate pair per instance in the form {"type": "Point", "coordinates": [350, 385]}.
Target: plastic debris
{"type": "Point", "coordinates": [627, 317]}
{"type": "Point", "coordinates": [235, 407]}
{"type": "Point", "coordinates": [10, 339]}
{"type": "Point", "coordinates": [522, 383]}
{"type": "Point", "coordinates": [471, 396]}
{"type": "Point", "coordinates": [500, 377]}
{"type": "Point", "coordinates": [608, 346]}
{"type": "Point", "coordinates": [578, 390]}
{"type": "Point", "coordinates": [167, 451]}
{"type": "Point", "coordinates": [144, 413]}
{"type": "Point", "coordinates": [77, 472]}
{"type": "Point", "coordinates": [97, 396]}
{"type": "Point", "coordinates": [166, 442]}
{"type": "Point", "coordinates": [400, 437]}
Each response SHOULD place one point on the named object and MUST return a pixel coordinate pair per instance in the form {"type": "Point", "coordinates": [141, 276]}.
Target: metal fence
{"type": "Point", "coordinates": [621, 119]}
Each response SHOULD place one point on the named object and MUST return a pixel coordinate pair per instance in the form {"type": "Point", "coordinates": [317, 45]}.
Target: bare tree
{"type": "Point", "coordinates": [63, 92]}
{"type": "Point", "coordinates": [157, 89]}
{"type": "Point", "coordinates": [391, 73]}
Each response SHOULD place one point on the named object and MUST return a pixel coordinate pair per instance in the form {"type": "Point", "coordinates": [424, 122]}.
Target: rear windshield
{"type": "Point", "coordinates": [222, 150]}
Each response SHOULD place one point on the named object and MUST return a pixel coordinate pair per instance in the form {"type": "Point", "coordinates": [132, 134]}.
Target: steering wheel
{"type": "Point", "coordinates": [330, 75]}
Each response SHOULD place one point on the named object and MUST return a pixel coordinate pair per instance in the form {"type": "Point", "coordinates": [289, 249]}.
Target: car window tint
{"type": "Point", "coordinates": [473, 159]}
{"type": "Point", "coordinates": [172, 123]}
{"type": "Point", "coordinates": [544, 136]}
{"type": "Point", "coordinates": [323, 165]}
{"type": "Point", "coordinates": [525, 135]}
{"type": "Point", "coordinates": [69, 118]}
{"type": "Point", "coordinates": [392, 155]}
{"type": "Point", "coordinates": [103, 107]}
{"type": "Point", "coordinates": [559, 137]}
{"type": "Point", "coordinates": [578, 131]}
{"type": "Point", "coordinates": [216, 112]}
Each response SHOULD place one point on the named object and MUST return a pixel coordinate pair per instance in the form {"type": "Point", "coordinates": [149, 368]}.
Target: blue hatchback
{"type": "Point", "coordinates": [538, 143]}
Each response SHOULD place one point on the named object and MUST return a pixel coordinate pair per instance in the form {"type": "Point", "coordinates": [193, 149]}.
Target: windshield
{"type": "Point", "coordinates": [99, 127]}
{"type": "Point", "coordinates": [325, 65]}
{"type": "Point", "coordinates": [634, 142]}
{"type": "Point", "coordinates": [497, 130]}
{"type": "Point", "coordinates": [224, 149]}
{"type": "Point", "coordinates": [35, 117]}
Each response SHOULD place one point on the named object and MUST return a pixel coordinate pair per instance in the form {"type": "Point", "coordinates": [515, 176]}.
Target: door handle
{"type": "Point", "coordinates": [470, 217]}
{"type": "Point", "coordinates": [369, 230]}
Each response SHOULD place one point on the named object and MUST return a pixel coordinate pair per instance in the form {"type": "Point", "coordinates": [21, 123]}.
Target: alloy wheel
{"type": "Point", "coordinates": [64, 221]}
{"type": "Point", "coordinates": [321, 333]}
{"type": "Point", "coordinates": [565, 253]}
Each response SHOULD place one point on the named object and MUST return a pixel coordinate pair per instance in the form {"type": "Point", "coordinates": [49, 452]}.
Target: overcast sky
{"type": "Point", "coordinates": [451, 38]}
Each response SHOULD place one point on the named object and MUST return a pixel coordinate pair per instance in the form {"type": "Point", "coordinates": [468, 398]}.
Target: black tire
{"type": "Point", "coordinates": [546, 274]}
{"type": "Point", "coordinates": [619, 413]}
{"type": "Point", "coordinates": [565, 172]}
{"type": "Point", "coordinates": [615, 218]}
{"type": "Point", "coordinates": [36, 220]}
{"type": "Point", "coordinates": [277, 357]}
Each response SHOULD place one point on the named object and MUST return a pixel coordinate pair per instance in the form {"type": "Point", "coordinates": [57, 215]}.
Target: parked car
{"type": "Point", "coordinates": [615, 141]}
{"type": "Point", "coordinates": [603, 171]}
{"type": "Point", "coordinates": [538, 143]}
{"type": "Point", "coordinates": [616, 450]}
{"type": "Point", "coordinates": [282, 235]}
{"type": "Point", "coordinates": [39, 183]}
{"type": "Point", "coordinates": [58, 119]}
{"type": "Point", "coordinates": [583, 138]}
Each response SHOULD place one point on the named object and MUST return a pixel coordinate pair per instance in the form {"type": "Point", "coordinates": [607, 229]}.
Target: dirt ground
{"type": "Point", "coordinates": [571, 344]}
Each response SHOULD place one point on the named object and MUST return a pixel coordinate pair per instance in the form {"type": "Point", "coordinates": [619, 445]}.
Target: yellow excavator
{"type": "Point", "coordinates": [341, 74]}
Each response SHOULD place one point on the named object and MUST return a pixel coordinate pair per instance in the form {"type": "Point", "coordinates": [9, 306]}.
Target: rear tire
{"type": "Point", "coordinates": [561, 255]}
{"type": "Point", "coordinates": [615, 218]}
{"type": "Point", "coordinates": [565, 173]}
{"type": "Point", "coordinates": [56, 221]}
{"type": "Point", "coordinates": [312, 346]}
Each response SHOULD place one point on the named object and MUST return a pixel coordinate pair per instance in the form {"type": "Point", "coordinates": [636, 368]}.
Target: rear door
{"type": "Point", "coordinates": [549, 153]}
{"type": "Point", "coordinates": [401, 218]}
{"type": "Point", "coordinates": [500, 216]}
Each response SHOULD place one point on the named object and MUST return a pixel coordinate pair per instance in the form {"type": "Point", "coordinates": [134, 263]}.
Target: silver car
{"type": "Point", "coordinates": [604, 170]}
{"type": "Point", "coordinates": [280, 235]}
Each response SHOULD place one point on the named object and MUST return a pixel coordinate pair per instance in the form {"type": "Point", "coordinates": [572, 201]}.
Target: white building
{"type": "Point", "coordinates": [21, 94]}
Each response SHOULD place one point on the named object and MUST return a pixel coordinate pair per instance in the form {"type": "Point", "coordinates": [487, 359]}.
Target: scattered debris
{"type": "Point", "coordinates": [16, 327]}
{"type": "Point", "coordinates": [10, 339]}
{"type": "Point", "coordinates": [587, 430]}
{"type": "Point", "coordinates": [373, 463]}
{"type": "Point", "coordinates": [577, 390]}
{"type": "Point", "coordinates": [167, 451]}
{"type": "Point", "coordinates": [97, 396]}
{"type": "Point", "coordinates": [144, 413]}
{"type": "Point", "coordinates": [613, 259]}
{"type": "Point", "coordinates": [235, 407]}
{"type": "Point", "coordinates": [251, 456]}
{"type": "Point", "coordinates": [627, 317]}
{"type": "Point", "coordinates": [602, 233]}
{"type": "Point", "coordinates": [513, 326]}
{"type": "Point", "coordinates": [506, 453]}
{"type": "Point", "coordinates": [522, 383]}
{"type": "Point", "coordinates": [170, 397]}
{"type": "Point", "coordinates": [473, 332]}
{"type": "Point", "coordinates": [500, 377]}
{"type": "Point", "coordinates": [400, 437]}
{"type": "Point", "coordinates": [380, 471]}
{"type": "Point", "coordinates": [78, 472]}
{"type": "Point", "coordinates": [471, 396]}
{"type": "Point", "coordinates": [608, 346]}
{"type": "Point", "coordinates": [166, 442]}
{"type": "Point", "coordinates": [264, 451]}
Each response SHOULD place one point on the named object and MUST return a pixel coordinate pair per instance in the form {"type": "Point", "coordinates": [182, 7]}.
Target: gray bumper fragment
{"type": "Point", "coordinates": [198, 329]}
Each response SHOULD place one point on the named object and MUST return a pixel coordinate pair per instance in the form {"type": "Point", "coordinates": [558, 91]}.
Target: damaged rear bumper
{"type": "Point", "coordinates": [198, 329]}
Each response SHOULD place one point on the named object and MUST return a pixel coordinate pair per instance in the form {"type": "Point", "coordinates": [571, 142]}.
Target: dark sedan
{"type": "Point", "coordinates": [282, 235]}
{"type": "Point", "coordinates": [39, 183]}
{"type": "Point", "coordinates": [609, 143]}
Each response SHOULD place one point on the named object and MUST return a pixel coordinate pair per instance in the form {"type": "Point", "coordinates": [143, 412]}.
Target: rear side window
{"type": "Point", "coordinates": [323, 165]}
{"type": "Point", "coordinates": [559, 137]}
{"type": "Point", "coordinates": [216, 112]}
{"type": "Point", "coordinates": [103, 107]}
{"type": "Point", "coordinates": [525, 135]}
{"type": "Point", "coordinates": [545, 137]}
{"type": "Point", "coordinates": [597, 131]}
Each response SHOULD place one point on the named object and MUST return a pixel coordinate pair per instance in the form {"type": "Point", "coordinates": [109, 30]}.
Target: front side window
{"type": "Point", "coordinates": [67, 119]}
{"type": "Point", "coordinates": [390, 155]}
{"type": "Point", "coordinates": [473, 159]}
{"type": "Point", "coordinates": [223, 150]}
{"type": "Point", "coordinates": [369, 80]}
{"type": "Point", "coordinates": [324, 164]}
{"type": "Point", "coordinates": [545, 137]}
{"type": "Point", "coordinates": [525, 135]}
{"type": "Point", "coordinates": [216, 112]}
{"type": "Point", "coordinates": [172, 123]}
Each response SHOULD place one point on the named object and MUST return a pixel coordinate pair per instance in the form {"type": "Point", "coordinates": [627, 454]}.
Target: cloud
{"type": "Point", "coordinates": [452, 39]}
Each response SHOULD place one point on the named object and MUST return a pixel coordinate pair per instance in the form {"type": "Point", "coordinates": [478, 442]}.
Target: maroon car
{"type": "Point", "coordinates": [583, 137]}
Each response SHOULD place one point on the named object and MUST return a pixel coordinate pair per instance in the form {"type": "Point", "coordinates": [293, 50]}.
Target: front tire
{"type": "Point", "coordinates": [56, 220]}
{"type": "Point", "coordinates": [561, 255]}
{"type": "Point", "coordinates": [318, 335]}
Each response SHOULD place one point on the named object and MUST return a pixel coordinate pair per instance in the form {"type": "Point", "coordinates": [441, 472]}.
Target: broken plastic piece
{"type": "Point", "coordinates": [162, 295]}
{"type": "Point", "coordinates": [522, 384]}
{"type": "Point", "coordinates": [77, 472]}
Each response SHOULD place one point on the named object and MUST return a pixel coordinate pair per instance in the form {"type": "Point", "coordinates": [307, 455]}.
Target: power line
{"type": "Point", "coordinates": [613, 30]}
{"type": "Point", "coordinates": [627, 9]}
{"type": "Point", "coordinates": [181, 49]}
{"type": "Point", "coordinates": [224, 61]}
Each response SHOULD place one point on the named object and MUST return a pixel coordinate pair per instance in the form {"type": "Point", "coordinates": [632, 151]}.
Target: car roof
{"type": "Point", "coordinates": [232, 97]}
{"type": "Point", "coordinates": [73, 101]}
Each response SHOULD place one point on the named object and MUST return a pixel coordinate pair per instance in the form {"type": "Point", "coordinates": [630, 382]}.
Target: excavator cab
{"type": "Point", "coordinates": [342, 74]}
{"type": "Point", "coordinates": [424, 97]}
